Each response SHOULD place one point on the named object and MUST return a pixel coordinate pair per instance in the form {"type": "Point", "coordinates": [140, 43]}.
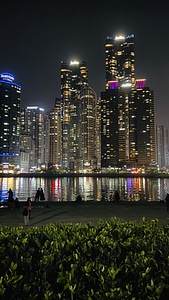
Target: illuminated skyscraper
{"type": "Point", "coordinates": [87, 126]}
{"type": "Point", "coordinates": [127, 109]}
{"type": "Point", "coordinates": [141, 125]}
{"type": "Point", "coordinates": [73, 77]}
{"type": "Point", "coordinates": [162, 146]}
{"type": "Point", "coordinates": [35, 130]}
{"type": "Point", "coordinates": [55, 135]}
{"type": "Point", "coordinates": [119, 61]}
{"type": "Point", "coordinates": [10, 93]}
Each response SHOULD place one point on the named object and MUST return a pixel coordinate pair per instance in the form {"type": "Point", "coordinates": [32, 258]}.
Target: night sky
{"type": "Point", "coordinates": [37, 35]}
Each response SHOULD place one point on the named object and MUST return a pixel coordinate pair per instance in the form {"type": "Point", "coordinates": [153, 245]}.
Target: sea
{"type": "Point", "coordinates": [90, 188]}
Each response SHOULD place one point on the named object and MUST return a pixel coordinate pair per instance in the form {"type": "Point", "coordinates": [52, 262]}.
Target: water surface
{"type": "Point", "coordinates": [90, 188]}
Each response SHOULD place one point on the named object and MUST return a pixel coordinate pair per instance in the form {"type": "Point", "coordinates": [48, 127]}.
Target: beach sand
{"type": "Point", "coordinates": [86, 212]}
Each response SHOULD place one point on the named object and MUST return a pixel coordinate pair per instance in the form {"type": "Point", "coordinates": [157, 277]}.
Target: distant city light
{"type": "Point", "coordinates": [35, 107]}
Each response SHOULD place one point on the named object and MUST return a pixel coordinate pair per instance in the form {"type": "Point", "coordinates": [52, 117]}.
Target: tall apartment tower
{"type": "Point", "coordinates": [162, 146]}
{"type": "Point", "coordinates": [73, 77]}
{"type": "Point", "coordinates": [34, 126]}
{"type": "Point", "coordinates": [120, 61]}
{"type": "Point", "coordinates": [127, 109]}
{"type": "Point", "coordinates": [55, 135]}
{"type": "Point", "coordinates": [10, 93]}
{"type": "Point", "coordinates": [141, 125]}
{"type": "Point", "coordinates": [87, 126]}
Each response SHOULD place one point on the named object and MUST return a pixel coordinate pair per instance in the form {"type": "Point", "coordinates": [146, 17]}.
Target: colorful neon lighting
{"type": "Point", "coordinates": [113, 85]}
{"type": "Point", "coordinates": [7, 154]}
{"type": "Point", "coordinates": [140, 83]}
{"type": "Point", "coordinates": [7, 77]}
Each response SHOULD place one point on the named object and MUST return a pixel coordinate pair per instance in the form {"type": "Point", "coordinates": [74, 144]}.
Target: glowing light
{"type": "Point", "coordinates": [35, 107]}
{"type": "Point", "coordinates": [140, 83]}
{"type": "Point", "coordinates": [122, 37]}
{"type": "Point", "coordinates": [113, 85]}
{"type": "Point", "coordinates": [7, 77]}
{"type": "Point", "coordinates": [74, 62]}
{"type": "Point", "coordinates": [119, 37]}
{"type": "Point", "coordinates": [124, 85]}
{"type": "Point", "coordinates": [7, 154]}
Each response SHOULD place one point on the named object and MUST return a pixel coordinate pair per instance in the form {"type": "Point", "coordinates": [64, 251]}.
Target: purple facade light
{"type": "Point", "coordinates": [113, 85]}
{"type": "Point", "coordinates": [140, 83]}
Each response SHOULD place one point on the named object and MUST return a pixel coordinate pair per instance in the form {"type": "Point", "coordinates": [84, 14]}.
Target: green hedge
{"type": "Point", "coordinates": [113, 260]}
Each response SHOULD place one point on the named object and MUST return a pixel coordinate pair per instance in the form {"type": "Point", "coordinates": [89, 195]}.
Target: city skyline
{"type": "Point", "coordinates": [35, 39]}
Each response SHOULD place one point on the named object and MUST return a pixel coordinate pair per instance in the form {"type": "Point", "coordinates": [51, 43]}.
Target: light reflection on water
{"type": "Point", "coordinates": [97, 188]}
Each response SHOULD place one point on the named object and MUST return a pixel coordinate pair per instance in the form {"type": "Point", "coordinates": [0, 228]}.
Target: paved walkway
{"type": "Point", "coordinates": [85, 212]}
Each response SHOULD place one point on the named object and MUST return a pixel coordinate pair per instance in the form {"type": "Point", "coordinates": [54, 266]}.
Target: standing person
{"type": "Point", "coordinates": [167, 202]}
{"type": "Point", "coordinates": [79, 198]}
{"type": "Point", "coordinates": [42, 196]}
{"type": "Point", "coordinates": [10, 195]}
{"type": "Point", "coordinates": [116, 196]}
{"type": "Point", "coordinates": [10, 199]}
{"type": "Point", "coordinates": [37, 196]}
{"type": "Point", "coordinates": [25, 214]}
{"type": "Point", "coordinates": [17, 203]}
{"type": "Point", "coordinates": [29, 207]}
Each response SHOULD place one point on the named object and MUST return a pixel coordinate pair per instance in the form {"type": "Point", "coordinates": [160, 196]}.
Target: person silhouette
{"type": "Point", "coordinates": [37, 196]}
{"type": "Point", "coordinates": [79, 198]}
{"type": "Point", "coordinates": [167, 202]}
{"type": "Point", "coordinates": [10, 195]}
{"type": "Point", "coordinates": [116, 196]}
{"type": "Point", "coordinates": [29, 206]}
{"type": "Point", "coordinates": [42, 196]}
{"type": "Point", "coordinates": [11, 202]}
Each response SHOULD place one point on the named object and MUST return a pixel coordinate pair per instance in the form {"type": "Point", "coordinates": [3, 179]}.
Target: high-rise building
{"type": "Point", "coordinates": [34, 137]}
{"type": "Point", "coordinates": [141, 125]}
{"type": "Point", "coordinates": [73, 77]}
{"type": "Point", "coordinates": [127, 109]}
{"type": "Point", "coordinates": [162, 146]}
{"type": "Point", "coordinates": [10, 98]}
{"type": "Point", "coordinates": [87, 159]}
{"type": "Point", "coordinates": [55, 135]}
{"type": "Point", "coordinates": [120, 61]}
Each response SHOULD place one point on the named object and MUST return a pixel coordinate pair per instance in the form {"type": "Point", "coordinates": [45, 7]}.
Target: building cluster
{"type": "Point", "coordinates": [85, 132]}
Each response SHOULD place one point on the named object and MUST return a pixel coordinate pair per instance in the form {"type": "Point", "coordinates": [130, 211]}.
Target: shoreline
{"type": "Point", "coordinates": [99, 175]}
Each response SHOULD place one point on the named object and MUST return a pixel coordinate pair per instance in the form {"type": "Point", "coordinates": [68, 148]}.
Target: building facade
{"type": "Point", "coordinates": [34, 138]}
{"type": "Point", "coordinates": [55, 135]}
{"type": "Point", "coordinates": [119, 61]}
{"type": "Point", "coordinates": [162, 147]}
{"type": "Point", "coordinates": [87, 160]}
{"type": "Point", "coordinates": [10, 98]}
{"type": "Point", "coordinates": [127, 110]}
{"type": "Point", "coordinates": [74, 76]}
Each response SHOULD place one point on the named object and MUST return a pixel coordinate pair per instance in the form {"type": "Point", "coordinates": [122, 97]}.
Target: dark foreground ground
{"type": "Point", "coordinates": [86, 212]}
